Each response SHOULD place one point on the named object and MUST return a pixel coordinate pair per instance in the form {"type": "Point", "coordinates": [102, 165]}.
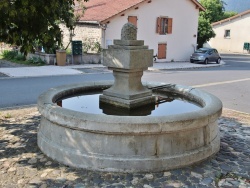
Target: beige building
{"type": "Point", "coordinates": [232, 33]}
{"type": "Point", "coordinates": [169, 27]}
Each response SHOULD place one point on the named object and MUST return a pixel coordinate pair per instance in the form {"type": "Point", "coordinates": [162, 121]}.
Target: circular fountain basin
{"type": "Point", "coordinates": [128, 143]}
{"type": "Point", "coordinates": [165, 104]}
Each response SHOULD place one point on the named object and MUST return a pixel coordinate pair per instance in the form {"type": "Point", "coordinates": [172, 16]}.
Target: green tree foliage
{"type": "Point", "coordinates": [215, 11]}
{"type": "Point", "coordinates": [22, 22]}
{"type": "Point", "coordinates": [228, 14]}
{"type": "Point", "coordinates": [205, 31]}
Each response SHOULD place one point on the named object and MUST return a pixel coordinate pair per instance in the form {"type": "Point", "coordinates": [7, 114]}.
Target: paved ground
{"type": "Point", "coordinates": [22, 164]}
{"type": "Point", "coordinates": [8, 64]}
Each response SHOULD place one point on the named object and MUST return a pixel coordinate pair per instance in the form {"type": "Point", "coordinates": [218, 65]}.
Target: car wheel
{"type": "Point", "coordinates": [191, 61]}
{"type": "Point", "coordinates": [206, 61]}
{"type": "Point", "coordinates": [218, 60]}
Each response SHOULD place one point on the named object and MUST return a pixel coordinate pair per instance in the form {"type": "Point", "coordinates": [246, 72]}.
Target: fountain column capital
{"type": "Point", "coordinates": [129, 32]}
{"type": "Point", "coordinates": [128, 52]}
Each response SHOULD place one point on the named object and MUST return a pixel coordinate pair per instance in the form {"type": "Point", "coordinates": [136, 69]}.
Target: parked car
{"type": "Point", "coordinates": [205, 55]}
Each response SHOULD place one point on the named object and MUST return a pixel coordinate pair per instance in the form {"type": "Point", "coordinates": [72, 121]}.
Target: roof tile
{"type": "Point", "coordinates": [101, 10]}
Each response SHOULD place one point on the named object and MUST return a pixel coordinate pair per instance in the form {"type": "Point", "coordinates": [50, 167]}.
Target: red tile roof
{"type": "Point", "coordinates": [102, 10]}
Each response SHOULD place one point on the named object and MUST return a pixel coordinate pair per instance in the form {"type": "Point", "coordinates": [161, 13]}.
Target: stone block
{"type": "Point", "coordinates": [129, 42]}
{"type": "Point", "coordinates": [128, 59]}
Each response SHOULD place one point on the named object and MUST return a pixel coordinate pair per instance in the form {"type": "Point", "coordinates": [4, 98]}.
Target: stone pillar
{"type": "Point", "coordinates": [128, 58]}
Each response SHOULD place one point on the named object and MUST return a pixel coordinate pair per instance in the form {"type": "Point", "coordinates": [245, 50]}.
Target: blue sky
{"type": "Point", "coordinates": [237, 5]}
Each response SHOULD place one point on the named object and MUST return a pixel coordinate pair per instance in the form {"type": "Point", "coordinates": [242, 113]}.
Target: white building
{"type": "Point", "coordinates": [232, 33]}
{"type": "Point", "coordinates": [167, 26]}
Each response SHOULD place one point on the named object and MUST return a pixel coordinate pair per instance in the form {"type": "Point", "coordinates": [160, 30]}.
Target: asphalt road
{"type": "Point", "coordinates": [25, 91]}
{"type": "Point", "coordinates": [231, 83]}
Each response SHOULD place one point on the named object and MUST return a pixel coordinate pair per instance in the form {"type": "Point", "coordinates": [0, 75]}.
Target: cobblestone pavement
{"type": "Point", "coordinates": [22, 164]}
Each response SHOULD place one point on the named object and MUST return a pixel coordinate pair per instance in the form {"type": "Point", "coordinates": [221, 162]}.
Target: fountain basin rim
{"type": "Point", "coordinates": [212, 108]}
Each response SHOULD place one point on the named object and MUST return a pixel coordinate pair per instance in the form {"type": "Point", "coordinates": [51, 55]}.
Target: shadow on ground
{"type": "Point", "coordinates": [22, 164]}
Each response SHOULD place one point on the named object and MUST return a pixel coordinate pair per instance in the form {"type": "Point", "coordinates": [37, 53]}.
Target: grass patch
{"type": "Point", "coordinates": [7, 116]}
{"type": "Point", "coordinates": [19, 58]}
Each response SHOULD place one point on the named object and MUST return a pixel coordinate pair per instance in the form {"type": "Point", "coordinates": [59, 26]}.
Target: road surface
{"type": "Point", "coordinates": [230, 82]}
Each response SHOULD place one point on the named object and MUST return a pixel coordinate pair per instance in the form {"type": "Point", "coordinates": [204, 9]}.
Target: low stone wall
{"type": "Point", "coordinates": [86, 59]}
{"type": "Point", "coordinates": [50, 59]}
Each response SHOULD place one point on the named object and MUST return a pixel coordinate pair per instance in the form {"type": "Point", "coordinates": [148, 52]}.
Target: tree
{"type": "Point", "coordinates": [205, 31]}
{"type": "Point", "coordinates": [228, 14]}
{"type": "Point", "coordinates": [215, 11]}
{"type": "Point", "coordinates": [22, 22]}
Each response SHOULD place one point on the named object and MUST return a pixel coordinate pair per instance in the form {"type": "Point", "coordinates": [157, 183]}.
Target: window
{"type": "Point", "coordinates": [227, 33]}
{"type": "Point", "coordinates": [164, 25]}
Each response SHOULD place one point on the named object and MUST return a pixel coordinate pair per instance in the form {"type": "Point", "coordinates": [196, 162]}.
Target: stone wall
{"type": "Point", "coordinates": [85, 59]}
{"type": "Point", "coordinates": [50, 59]}
{"type": "Point", "coordinates": [83, 32]}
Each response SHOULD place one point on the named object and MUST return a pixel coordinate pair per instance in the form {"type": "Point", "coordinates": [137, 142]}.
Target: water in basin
{"type": "Point", "coordinates": [165, 105]}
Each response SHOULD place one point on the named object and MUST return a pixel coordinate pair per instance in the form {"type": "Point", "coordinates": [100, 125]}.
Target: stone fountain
{"type": "Point", "coordinates": [128, 58]}
{"type": "Point", "coordinates": [128, 143]}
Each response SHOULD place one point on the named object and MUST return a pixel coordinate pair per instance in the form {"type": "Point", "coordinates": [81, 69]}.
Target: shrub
{"type": "Point", "coordinates": [36, 61]}
{"type": "Point", "coordinates": [68, 51]}
{"type": "Point", "coordinates": [91, 45]}
{"type": "Point", "coordinates": [13, 55]}
{"type": "Point", "coordinates": [9, 54]}
{"type": "Point", "coordinates": [19, 57]}
{"type": "Point", "coordinates": [97, 47]}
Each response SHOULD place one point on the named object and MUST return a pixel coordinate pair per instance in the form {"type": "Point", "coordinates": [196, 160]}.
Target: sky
{"type": "Point", "coordinates": [237, 5]}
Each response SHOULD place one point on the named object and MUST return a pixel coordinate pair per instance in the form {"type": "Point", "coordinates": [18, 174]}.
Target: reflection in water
{"type": "Point", "coordinates": [118, 111]}
{"type": "Point", "coordinates": [164, 106]}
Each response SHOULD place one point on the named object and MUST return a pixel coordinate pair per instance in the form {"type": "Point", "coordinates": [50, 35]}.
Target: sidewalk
{"type": "Point", "coordinates": [52, 70]}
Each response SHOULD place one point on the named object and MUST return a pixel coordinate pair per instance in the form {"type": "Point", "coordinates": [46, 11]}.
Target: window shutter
{"type": "Point", "coordinates": [158, 25]}
{"type": "Point", "coordinates": [133, 20]}
{"type": "Point", "coordinates": [162, 51]}
{"type": "Point", "coordinates": [170, 23]}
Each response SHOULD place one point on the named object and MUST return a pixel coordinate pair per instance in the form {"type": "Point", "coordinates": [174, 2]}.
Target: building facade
{"type": "Point", "coordinates": [169, 27]}
{"type": "Point", "coordinates": [232, 33]}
